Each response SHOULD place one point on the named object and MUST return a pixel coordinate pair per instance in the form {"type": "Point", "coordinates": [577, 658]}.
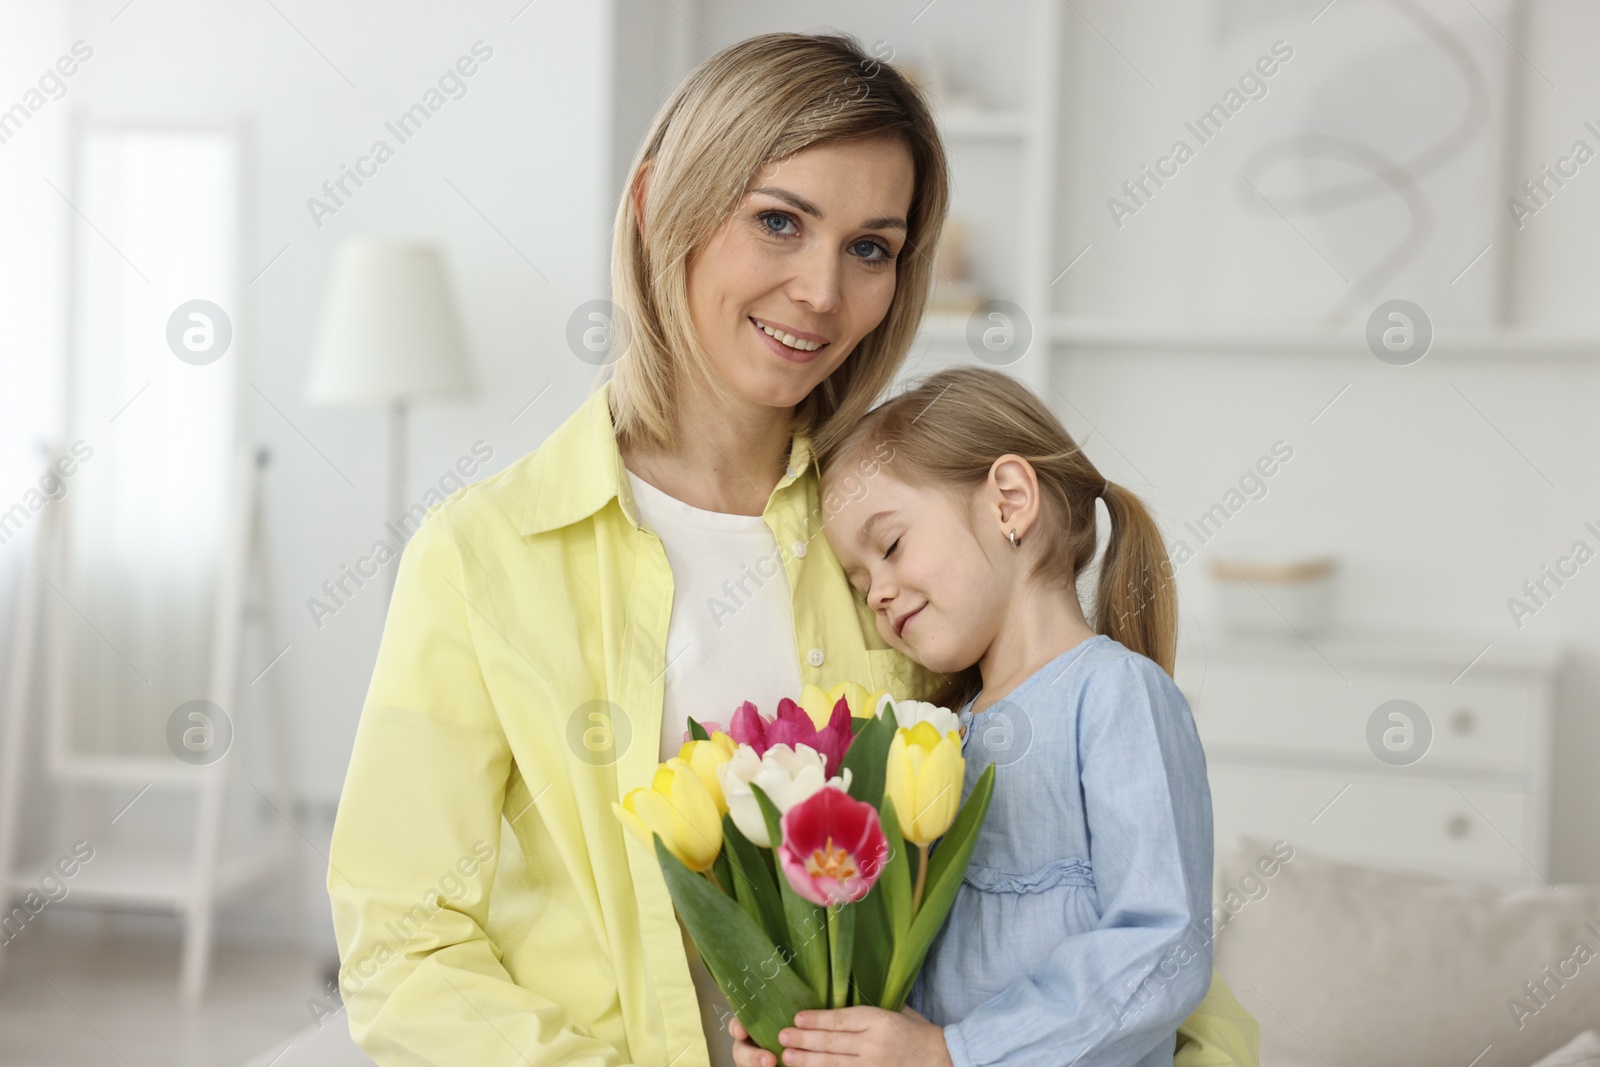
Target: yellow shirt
{"type": "Point", "coordinates": [517, 692]}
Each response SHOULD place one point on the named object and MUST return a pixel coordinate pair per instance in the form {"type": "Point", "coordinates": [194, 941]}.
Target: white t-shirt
{"type": "Point", "coordinates": [731, 634]}
{"type": "Point", "coordinates": [730, 638]}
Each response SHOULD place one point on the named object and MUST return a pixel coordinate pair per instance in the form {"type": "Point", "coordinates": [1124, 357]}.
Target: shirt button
{"type": "Point", "coordinates": [814, 657]}
{"type": "Point", "coordinates": [799, 548]}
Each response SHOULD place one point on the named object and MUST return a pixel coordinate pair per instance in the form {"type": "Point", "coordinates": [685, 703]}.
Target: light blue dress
{"type": "Point", "coordinates": [1080, 935]}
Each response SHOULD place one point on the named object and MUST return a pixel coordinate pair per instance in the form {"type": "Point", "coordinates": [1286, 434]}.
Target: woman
{"type": "Point", "coordinates": [553, 626]}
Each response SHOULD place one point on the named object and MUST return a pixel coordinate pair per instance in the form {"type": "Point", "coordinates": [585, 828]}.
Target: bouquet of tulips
{"type": "Point", "coordinates": [798, 849]}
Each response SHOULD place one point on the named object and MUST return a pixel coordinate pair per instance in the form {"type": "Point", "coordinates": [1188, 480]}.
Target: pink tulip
{"type": "Point", "coordinates": [833, 847]}
{"type": "Point", "coordinates": [794, 727]}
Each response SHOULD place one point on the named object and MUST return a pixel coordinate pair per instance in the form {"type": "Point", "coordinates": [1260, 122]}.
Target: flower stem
{"type": "Point", "coordinates": [840, 951]}
{"type": "Point", "coordinates": [711, 875]}
{"type": "Point", "coordinates": [922, 878]}
{"type": "Point", "coordinates": [832, 957]}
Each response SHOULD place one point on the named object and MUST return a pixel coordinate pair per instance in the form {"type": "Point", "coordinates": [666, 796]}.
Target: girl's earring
{"type": "Point", "coordinates": [1014, 542]}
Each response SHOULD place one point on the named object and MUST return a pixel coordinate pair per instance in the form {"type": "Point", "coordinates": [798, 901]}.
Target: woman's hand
{"type": "Point", "coordinates": [850, 1037]}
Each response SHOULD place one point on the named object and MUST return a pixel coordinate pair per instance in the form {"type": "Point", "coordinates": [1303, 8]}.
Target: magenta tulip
{"type": "Point", "coordinates": [833, 847]}
{"type": "Point", "coordinates": [793, 727]}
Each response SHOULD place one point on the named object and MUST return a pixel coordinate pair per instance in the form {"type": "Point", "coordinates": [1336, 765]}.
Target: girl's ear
{"type": "Point", "coordinates": [1016, 487]}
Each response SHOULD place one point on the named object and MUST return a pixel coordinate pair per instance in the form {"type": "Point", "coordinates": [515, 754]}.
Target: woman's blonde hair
{"type": "Point", "coordinates": [755, 102]}
{"type": "Point", "coordinates": [946, 433]}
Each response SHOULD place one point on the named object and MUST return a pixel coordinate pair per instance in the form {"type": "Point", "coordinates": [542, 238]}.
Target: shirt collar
{"type": "Point", "coordinates": [579, 469]}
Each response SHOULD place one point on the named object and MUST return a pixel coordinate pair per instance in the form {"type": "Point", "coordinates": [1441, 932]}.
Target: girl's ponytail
{"type": "Point", "coordinates": [1136, 598]}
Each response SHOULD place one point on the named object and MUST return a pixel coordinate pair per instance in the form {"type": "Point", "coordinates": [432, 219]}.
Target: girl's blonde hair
{"type": "Point", "coordinates": [751, 104]}
{"type": "Point", "coordinates": [946, 433]}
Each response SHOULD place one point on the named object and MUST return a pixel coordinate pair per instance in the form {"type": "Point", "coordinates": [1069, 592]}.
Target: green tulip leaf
{"type": "Point", "coordinates": [955, 847]}
{"type": "Point", "coordinates": [729, 941]}
{"type": "Point", "coordinates": [806, 921]}
{"type": "Point", "coordinates": [872, 948]}
{"type": "Point", "coordinates": [697, 732]}
{"type": "Point", "coordinates": [868, 758]}
{"type": "Point", "coordinates": [723, 869]}
{"type": "Point", "coordinates": [757, 893]}
{"type": "Point", "coordinates": [946, 868]}
{"type": "Point", "coordinates": [896, 877]}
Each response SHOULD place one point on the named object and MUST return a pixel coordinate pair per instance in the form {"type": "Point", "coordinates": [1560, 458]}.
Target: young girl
{"type": "Point", "coordinates": [1077, 934]}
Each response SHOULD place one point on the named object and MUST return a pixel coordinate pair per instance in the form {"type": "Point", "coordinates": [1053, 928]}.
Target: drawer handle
{"type": "Point", "coordinates": [1463, 721]}
{"type": "Point", "coordinates": [1458, 826]}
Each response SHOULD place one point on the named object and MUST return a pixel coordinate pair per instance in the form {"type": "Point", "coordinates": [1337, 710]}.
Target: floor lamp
{"type": "Point", "coordinates": [390, 336]}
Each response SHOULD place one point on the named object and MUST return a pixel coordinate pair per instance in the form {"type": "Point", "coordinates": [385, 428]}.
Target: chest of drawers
{"type": "Point", "coordinates": [1403, 752]}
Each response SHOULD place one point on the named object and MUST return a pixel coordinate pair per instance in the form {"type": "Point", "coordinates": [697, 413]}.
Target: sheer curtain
{"type": "Point", "coordinates": [156, 226]}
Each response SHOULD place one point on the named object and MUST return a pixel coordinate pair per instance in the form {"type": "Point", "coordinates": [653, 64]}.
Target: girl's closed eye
{"type": "Point", "coordinates": [866, 594]}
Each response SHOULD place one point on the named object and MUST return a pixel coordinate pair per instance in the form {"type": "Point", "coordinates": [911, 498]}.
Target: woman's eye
{"type": "Point", "coordinates": [764, 216]}
{"type": "Point", "coordinates": [887, 257]}
{"type": "Point", "coordinates": [863, 248]}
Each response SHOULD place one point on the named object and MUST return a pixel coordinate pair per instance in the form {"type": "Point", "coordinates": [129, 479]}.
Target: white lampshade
{"type": "Point", "coordinates": [389, 331]}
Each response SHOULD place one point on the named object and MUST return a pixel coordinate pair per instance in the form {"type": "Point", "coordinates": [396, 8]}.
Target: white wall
{"type": "Point", "coordinates": [513, 179]}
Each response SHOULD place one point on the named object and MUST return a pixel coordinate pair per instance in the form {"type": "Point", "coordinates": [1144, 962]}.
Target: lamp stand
{"type": "Point", "coordinates": [397, 479]}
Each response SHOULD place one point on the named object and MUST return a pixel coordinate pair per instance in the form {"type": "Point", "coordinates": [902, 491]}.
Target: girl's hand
{"type": "Point", "coordinates": [861, 1037]}
{"type": "Point", "coordinates": [747, 1053]}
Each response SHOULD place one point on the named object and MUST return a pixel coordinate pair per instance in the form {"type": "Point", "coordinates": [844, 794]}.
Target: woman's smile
{"type": "Point", "coordinates": [802, 350]}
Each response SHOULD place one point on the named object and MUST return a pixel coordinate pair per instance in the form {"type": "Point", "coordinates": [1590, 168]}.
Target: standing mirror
{"type": "Point", "coordinates": [154, 391]}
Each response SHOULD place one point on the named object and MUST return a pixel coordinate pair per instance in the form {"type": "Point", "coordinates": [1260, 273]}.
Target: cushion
{"type": "Point", "coordinates": [1581, 1051]}
{"type": "Point", "coordinates": [1350, 964]}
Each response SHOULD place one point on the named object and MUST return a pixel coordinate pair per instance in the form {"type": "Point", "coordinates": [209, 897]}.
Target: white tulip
{"type": "Point", "coordinates": [786, 774]}
{"type": "Point", "coordinates": [907, 713]}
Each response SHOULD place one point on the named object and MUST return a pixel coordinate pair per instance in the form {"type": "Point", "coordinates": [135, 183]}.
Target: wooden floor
{"type": "Point", "coordinates": [74, 999]}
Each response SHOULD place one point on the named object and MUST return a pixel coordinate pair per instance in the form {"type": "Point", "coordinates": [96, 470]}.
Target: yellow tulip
{"type": "Point", "coordinates": [862, 703]}
{"type": "Point", "coordinates": [819, 704]}
{"type": "Point", "coordinates": [924, 779]}
{"type": "Point", "coordinates": [704, 757]}
{"type": "Point", "coordinates": [676, 806]}
{"type": "Point", "coordinates": [816, 702]}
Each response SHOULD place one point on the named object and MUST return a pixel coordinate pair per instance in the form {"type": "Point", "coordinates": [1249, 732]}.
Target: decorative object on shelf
{"type": "Point", "coordinates": [953, 287]}
{"type": "Point", "coordinates": [1258, 590]}
{"type": "Point", "coordinates": [931, 74]}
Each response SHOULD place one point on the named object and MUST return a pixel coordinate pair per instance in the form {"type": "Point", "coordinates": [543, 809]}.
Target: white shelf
{"type": "Point", "coordinates": [944, 326]}
{"type": "Point", "coordinates": [1448, 653]}
{"type": "Point", "coordinates": [1131, 335]}
{"type": "Point", "coordinates": [1244, 338]}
